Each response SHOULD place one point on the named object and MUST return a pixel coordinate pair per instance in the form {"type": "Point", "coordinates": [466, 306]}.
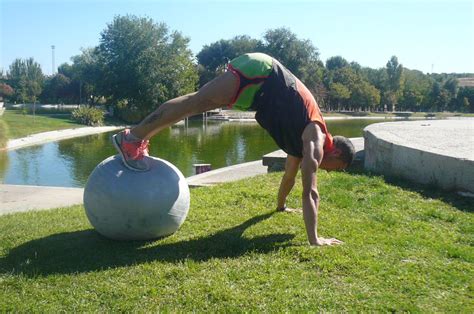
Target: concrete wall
{"type": "Point", "coordinates": [417, 165]}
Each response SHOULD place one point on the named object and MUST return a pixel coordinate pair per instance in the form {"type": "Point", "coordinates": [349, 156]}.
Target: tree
{"type": "Point", "coordinates": [465, 104]}
{"type": "Point", "coordinates": [451, 86]}
{"type": "Point", "coordinates": [300, 56]}
{"type": "Point", "coordinates": [415, 90]}
{"type": "Point", "coordinates": [365, 96]}
{"type": "Point", "coordinates": [213, 58]}
{"type": "Point", "coordinates": [394, 82]}
{"type": "Point", "coordinates": [351, 89]}
{"type": "Point", "coordinates": [88, 76]}
{"type": "Point", "coordinates": [466, 98]}
{"type": "Point", "coordinates": [143, 65]}
{"type": "Point", "coordinates": [339, 93]}
{"type": "Point", "coordinates": [439, 97]}
{"type": "Point", "coordinates": [335, 63]}
{"type": "Point", "coordinates": [26, 78]}
{"type": "Point", "coordinates": [57, 89]}
{"type": "Point", "coordinates": [3, 78]}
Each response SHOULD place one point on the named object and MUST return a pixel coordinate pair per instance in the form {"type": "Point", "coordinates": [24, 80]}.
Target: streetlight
{"type": "Point", "coordinates": [52, 54]}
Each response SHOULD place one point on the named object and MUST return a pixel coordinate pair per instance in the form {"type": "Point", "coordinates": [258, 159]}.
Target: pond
{"type": "Point", "coordinates": [68, 163]}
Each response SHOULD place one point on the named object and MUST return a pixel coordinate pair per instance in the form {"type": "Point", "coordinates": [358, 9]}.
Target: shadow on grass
{"type": "Point", "coordinates": [84, 251]}
{"type": "Point", "coordinates": [465, 204]}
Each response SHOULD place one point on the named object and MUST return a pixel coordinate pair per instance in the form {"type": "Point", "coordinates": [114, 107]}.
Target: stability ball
{"type": "Point", "coordinates": [123, 204]}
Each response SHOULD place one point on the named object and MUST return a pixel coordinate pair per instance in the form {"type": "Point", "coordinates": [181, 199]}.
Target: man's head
{"type": "Point", "coordinates": [341, 156]}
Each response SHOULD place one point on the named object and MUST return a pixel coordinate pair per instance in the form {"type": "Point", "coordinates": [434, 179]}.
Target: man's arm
{"type": "Point", "coordinates": [313, 140]}
{"type": "Point", "coordinates": [287, 181]}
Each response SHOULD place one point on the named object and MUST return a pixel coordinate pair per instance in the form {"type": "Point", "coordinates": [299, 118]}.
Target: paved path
{"type": "Point", "coordinates": [228, 174]}
{"type": "Point", "coordinates": [21, 198]}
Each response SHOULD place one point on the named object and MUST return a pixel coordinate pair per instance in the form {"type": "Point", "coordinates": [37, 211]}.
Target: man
{"type": "Point", "coordinates": [284, 107]}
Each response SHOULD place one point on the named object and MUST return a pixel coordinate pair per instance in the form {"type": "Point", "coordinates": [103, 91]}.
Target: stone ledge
{"type": "Point", "coordinates": [434, 152]}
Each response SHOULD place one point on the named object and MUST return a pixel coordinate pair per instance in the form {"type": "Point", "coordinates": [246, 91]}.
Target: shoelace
{"type": "Point", "coordinates": [142, 150]}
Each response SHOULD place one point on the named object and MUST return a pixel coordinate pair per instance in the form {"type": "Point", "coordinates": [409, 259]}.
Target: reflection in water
{"type": "Point", "coordinates": [3, 165]}
{"type": "Point", "coordinates": [38, 165]}
{"type": "Point", "coordinates": [69, 162]}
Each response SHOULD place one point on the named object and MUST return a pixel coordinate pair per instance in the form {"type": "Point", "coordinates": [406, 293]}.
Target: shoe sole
{"type": "Point", "coordinates": [117, 147]}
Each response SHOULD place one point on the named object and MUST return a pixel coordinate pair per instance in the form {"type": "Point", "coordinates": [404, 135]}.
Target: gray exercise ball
{"type": "Point", "coordinates": [123, 204]}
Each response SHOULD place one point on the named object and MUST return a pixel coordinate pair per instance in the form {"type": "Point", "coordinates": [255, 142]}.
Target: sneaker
{"type": "Point", "coordinates": [133, 152]}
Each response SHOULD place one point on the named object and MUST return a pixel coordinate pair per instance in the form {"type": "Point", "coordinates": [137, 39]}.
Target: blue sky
{"type": "Point", "coordinates": [426, 35]}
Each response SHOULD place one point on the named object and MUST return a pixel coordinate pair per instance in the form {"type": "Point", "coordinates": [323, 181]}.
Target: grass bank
{"type": "Point", "coordinates": [21, 125]}
{"type": "Point", "coordinates": [3, 134]}
{"type": "Point", "coordinates": [405, 250]}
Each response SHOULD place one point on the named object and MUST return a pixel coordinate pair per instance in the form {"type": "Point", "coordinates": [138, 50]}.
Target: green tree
{"type": "Point", "coordinates": [465, 104]}
{"type": "Point", "coordinates": [26, 78]}
{"type": "Point", "coordinates": [300, 56]}
{"type": "Point", "coordinates": [394, 82]}
{"type": "Point", "coordinates": [415, 90]}
{"type": "Point", "coordinates": [57, 89]}
{"type": "Point", "coordinates": [143, 65]}
{"type": "Point", "coordinates": [451, 86]}
{"type": "Point", "coordinates": [363, 95]}
{"type": "Point", "coordinates": [339, 94]}
{"type": "Point", "coordinates": [439, 97]}
{"type": "Point", "coordinates": [88, 76]}
{"type": "Point", "coordinates": [335, 63]}
{"type": "Point", "coordinates": [213, 58]}
{"type": "Point", "coordinates": [466, 98]}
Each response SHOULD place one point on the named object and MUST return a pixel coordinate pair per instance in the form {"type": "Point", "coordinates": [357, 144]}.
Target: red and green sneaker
{"type": "Point", "coordinates": [133, 152]}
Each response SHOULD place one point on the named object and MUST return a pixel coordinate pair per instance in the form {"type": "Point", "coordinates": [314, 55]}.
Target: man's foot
{"type": "Point", "coordinates": [289, 210]}
{"type": "Point", "coordinates": [133, 151]}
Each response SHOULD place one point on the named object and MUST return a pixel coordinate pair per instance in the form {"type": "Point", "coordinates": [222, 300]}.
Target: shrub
{"type": "Point", "coordinates": [5, 90]}
{"type": "Point", "coordinates": [3, 134]}
{"type": "Point", "coordinates": [89, 116]}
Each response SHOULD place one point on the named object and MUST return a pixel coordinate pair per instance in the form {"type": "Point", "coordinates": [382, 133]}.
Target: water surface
{"type": "Point", "coordinates": [68, 163]}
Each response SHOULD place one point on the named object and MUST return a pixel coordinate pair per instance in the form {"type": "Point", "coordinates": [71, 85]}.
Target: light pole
{"type": "Point", "coordinates": [52, 55]}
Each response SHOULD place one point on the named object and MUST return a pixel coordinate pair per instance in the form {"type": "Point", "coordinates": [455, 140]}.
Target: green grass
{"type": "Point", "coordinates": [405, 250]}
{"type": "Point", "coordinates": [3, 134]}
{"type": "Point", "coordinates": [21, 125]}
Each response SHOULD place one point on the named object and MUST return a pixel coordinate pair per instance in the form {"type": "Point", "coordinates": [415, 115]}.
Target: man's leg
{"type": "Point", "coordinates": [214, 94]}
{"type": "Point", "coordinates": [133, 144]}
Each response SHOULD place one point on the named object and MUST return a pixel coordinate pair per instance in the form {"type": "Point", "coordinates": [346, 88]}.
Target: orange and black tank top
{"type": "Point", "coordinates": [283, 105]}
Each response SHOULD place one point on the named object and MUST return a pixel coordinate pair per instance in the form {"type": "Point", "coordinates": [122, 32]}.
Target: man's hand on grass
{"type": "Point", "coordinates": [323, 241]}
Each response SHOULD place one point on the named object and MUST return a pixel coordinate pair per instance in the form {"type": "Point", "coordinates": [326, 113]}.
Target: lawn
{"type": "Point", "coordinates": [406, 249]}
{"type": "Point", "coordinates": [21, 125]}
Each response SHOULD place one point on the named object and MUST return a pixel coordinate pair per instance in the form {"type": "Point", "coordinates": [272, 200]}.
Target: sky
{"type": "Point", "coordinates": [426, 35]}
